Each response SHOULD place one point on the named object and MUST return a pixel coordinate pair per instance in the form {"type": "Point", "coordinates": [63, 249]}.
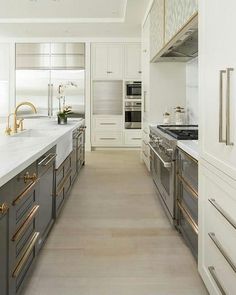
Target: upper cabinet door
{"type": "Point", "coordinates": [100, 61]}
{"type": "Point", "coordinates": [177, 14]}
{"type": "Point", "coordinates": [217, 81]}
{"type": "Point", "coordinates": [133, 61]}
{"type": "Point", "coordinates": [115, 61]}
{"type": "Point", "coordinates": [156, 27]}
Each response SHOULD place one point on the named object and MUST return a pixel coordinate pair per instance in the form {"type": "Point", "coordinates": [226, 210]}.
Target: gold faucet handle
{"type": "Point", "coordinates": [8, 130]}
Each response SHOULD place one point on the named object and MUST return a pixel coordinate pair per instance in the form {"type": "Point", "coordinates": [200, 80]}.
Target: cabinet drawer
{"type": "Point", "coordinates": [188, 198]}
{"type": "Point", "coordinates": [133, 138]}
{"type": "Point", "coordinates": [22, 207]}
{"type": "Point", "coordinates": [221, 274]}
{"type": "Point", "coordinates": [60, 198]}
{"type": "Point", "coordinates": [21, 271]}
{"type": "Point", "coordinates": [107, 123]}
{"type": "Point", "coordinates": [107, 139]}
{"type": "Point", "coordinates": [67, 165]}
{"type": "Point", "coordinates": [188, 169]}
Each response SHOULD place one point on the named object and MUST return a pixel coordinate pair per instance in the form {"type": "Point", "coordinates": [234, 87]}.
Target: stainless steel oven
{"type": "Point", "coordinates": [163, 174]}
{"type": "Point", "coordinates": [133, 115]}
{"type": "Point", "coordinates": [133, 90]}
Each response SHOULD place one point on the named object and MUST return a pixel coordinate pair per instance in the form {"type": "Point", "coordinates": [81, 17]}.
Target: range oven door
{"type": "Point", "coordinates": [162, 170]}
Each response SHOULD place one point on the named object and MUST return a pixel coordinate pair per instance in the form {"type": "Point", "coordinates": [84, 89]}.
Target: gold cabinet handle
{"type": "Point", "coordinates": [25, 225]}
{"type": "Point", "coordinates": [28, 177]}
{"type": "Point", "coordinates": [24, 194]}
{"type": "Point", "coordinates": [4, 208]}
{"type": "Point", "coordinates": [26, 255]}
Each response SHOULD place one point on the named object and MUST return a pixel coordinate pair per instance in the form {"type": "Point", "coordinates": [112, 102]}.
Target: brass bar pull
{"type": "Point", "coordinates": [107, 123]}
{"type": "Point", "coordinates": [53, 156]}
{"type": "Point", "coordinates": [26, 255]}
{"type": "Point", "coordinates": [190, 189]}
{"type": "Point", "coordinates": [222, 250]}
{"type": "Point", "coordinates": [221, 140]}
{"type": "Point", "coordinates": [228, 123]}
{"type": "Point", "coordinates": [189, 218]}
{"type": "Point", "coordinates": [24, 194]}
{"type": "Point", "coordinates": [214, 276]}
{"type": "Point", "coordinates": [222, 212]}
{"type": "Point", "coordinates": [4, 208]}
{"type": "Point", "coordinates": [28, 220]}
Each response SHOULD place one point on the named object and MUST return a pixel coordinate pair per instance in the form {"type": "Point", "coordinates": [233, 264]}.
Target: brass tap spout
{"type": "Point", "coordinates": [20, 124]}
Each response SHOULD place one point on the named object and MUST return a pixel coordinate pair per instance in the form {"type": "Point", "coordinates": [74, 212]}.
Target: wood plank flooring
{"type": "Point", "coordinates": [113, 237]}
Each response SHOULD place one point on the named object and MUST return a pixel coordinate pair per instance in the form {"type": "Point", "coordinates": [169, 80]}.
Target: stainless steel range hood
{"type": "Point", "coordinates": [183, 47]}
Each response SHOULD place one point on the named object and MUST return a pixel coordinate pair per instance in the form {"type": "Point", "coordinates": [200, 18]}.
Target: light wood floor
{"type": "Point", "coordinates": [113, 237]}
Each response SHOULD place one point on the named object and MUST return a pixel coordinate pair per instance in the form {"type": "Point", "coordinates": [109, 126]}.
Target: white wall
{"type": "Point", "coordinates": [167, 89]}
{"type": "Point", "coordinates": [192, 91]}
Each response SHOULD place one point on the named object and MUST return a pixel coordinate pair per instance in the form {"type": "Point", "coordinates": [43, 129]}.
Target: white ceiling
{"type": "Point", "coordinates": [71, 18]}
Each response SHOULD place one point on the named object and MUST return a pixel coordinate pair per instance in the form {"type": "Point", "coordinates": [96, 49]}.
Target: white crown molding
{"type": "Point", "coordinates": [67, 20]}
{"type": "Point", "coordinates": [60, 20]}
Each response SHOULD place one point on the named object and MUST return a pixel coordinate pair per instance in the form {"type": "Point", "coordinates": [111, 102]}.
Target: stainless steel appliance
{"type": "Point", "coordinates": [42, 67]}
{"type": "Point", "coordinates": [187, 199]}
{"type": "Point", "coordinates": [163, 144]}
{"type": "Point", "coordinates": [107, 97]}
{"type": "Point", "coordinates": [133, 115]}
{"type": "Point", "coordinates": [133, 90]}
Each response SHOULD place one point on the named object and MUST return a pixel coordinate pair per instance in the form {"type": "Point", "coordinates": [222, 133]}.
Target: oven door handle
{"type": "Point", "coordinates": [165, 164]}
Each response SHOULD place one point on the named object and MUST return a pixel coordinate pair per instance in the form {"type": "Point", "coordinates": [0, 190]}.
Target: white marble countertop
{"type": "Point", "coordinates": [190, 147]}
{"type": "Point", "coordinates": [19, 151]}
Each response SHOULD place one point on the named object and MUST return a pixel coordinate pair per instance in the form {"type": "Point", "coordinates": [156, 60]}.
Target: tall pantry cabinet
{"type": "Point", "coordinates": [217, 185]}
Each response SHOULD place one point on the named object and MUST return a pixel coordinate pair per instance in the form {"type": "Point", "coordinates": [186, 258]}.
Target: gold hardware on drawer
{"type": "Point", "coordinates": [4, 208]}
{"type": "Point", "coordinates": [24, 194]}
{"type": "Point", "coordinates": [188, 187]}
{"type": "Point", "coordinates": [26, 255]}
{"type": "Point", "coordinates": [28, 177]}
{"type": "Point", "coordinates": [188, 217]}
{"type": "Point", "coordinates": [22, 229]}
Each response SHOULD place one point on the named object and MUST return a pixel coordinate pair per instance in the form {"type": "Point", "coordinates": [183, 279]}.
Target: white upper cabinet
{"type": "Point", "coordinates": [157, 17]}
{"type": "Point", "coordinates": [107, 61]}
{"type": "Point", "coordinates": [177, 14]}
{"type": "Point", "coordinates": [217, 82]}
{"type": "Point", "coordinates": [133, 61]}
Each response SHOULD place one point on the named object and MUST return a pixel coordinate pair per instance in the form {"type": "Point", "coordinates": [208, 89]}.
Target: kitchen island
{"type": "Point", "coordinates": [38, 168]}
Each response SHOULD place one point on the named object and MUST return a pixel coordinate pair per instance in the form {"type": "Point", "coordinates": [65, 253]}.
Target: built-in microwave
{"type": "Point", "coordinates": [133, 90]}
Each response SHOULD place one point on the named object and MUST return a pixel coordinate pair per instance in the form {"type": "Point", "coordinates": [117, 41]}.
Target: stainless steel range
{"type": "Point", "coordinates": [163, 144]}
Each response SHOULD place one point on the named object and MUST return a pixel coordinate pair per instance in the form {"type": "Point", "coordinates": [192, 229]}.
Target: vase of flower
{"type": "Point", "coordinates": [63, 115]}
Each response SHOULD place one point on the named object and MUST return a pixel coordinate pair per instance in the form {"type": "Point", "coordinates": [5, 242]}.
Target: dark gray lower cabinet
{"type": "Point", "coordinates": [29, 203]}
{"type": "Point", "coordinates": [3, 244]}
{"type": "Point", "coordinates": [46, 166]}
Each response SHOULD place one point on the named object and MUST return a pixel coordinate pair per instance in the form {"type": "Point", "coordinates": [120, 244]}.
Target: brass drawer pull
{"type": "Point", "coordinates": [4, 208]}
{"type": "Point", "coordinates": [222, 212]}
{"type": "Point", "coordinates": [24, 194]}
{"type": "Point", "coordinates": [190, 189]}
{"type": "Point", "coordinates": [26, 255]}
{"type": "Point", "coordinates": [63, 183]}
{"type": "Point", "coordinates": [53, 156]}
{"type": "Point", "coordinates": [28, 220]}
{"type": "Point", "coordinates": [214, 276]}
{"type": "Point", "coordinates": [28, 177]}
{"type": "Point", "coordinates": [189, 218]}
{"type": "Point", "coordinates": [107, 123]}
{"type": "Point", "coordinates": [222, 250]}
